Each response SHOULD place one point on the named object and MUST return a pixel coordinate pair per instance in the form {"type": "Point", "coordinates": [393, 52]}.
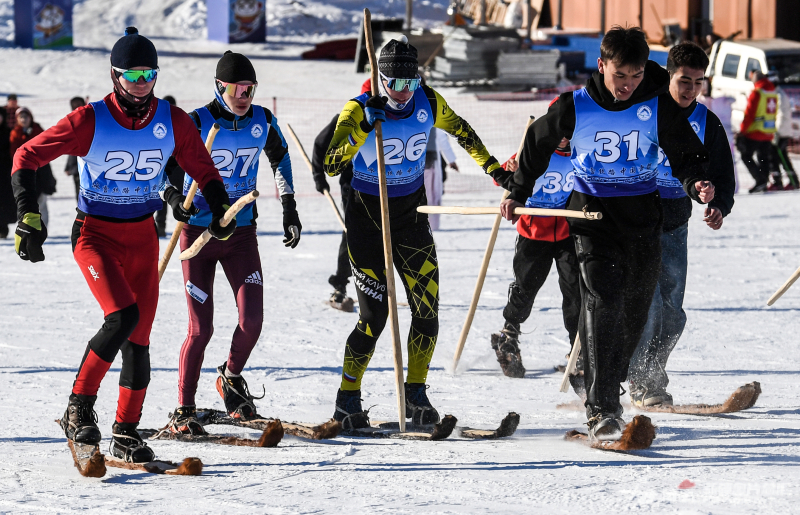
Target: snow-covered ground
{"type": "Point", "coordinates": [742, 463]}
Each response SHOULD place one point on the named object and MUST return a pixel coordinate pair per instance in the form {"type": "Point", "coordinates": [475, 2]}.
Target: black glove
{"type": "Point", "coordinates": [373, 112]}
{"type": "Point", "coordinates": [29, 236]}
{"type": "Point", "coordinates": [215, 228]}
{"type": "Point", "coordinates": [175, 199]}
{"type": "Point", "coordinates": [321, 184]}
{"type": "Point", "coordinates": [291, 221]}
{"type": "Point", "coordinates": [218, 202]}
{"type": "Point", "coordinates": [502, 177]}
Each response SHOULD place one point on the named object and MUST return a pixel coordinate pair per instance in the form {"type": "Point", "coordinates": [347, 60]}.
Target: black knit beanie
{"type": "Point", "coordinates": [132, 50]}
{"type": "Point", "coordinates": [233, 67]}
{"type": "Point", "coordinates": [398, 60]}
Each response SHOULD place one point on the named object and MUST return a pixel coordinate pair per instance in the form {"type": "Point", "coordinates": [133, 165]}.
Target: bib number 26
{"type": "Point", "coordinates": [394, 149]}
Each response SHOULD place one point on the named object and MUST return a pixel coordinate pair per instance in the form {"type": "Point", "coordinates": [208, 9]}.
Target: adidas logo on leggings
{"type": "Point", "coordinates": [254, 278]}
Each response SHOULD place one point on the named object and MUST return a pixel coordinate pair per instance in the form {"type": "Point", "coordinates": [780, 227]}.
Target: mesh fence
{"type": "Point", "coordinates": [499, 124]}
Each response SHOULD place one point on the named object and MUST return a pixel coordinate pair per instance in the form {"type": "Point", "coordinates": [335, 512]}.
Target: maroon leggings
{"type": "Point", "coordinates": [241, 262]}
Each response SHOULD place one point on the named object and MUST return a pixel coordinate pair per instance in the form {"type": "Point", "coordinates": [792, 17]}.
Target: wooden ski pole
{"type": "Point", "coordinates": [310, 167]}
{"type": "Point", "coordinates": [229, 215]}
{"type": "Point", "coordinates": [487, 256]}
{"type": "Point", "coordinates": [788, 284]}
{"type": "Point", "coordinates": [387, 236]}
{"type": "Point", "coordinates": [573, 360]}
{"type": "Point", "coordinates": [176, 235]}
{"type": "Point", "coordinates": [492, 210]}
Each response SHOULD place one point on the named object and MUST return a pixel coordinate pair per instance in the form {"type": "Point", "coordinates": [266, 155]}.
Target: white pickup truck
{"type": "Point", "coordinates": [732, 61]}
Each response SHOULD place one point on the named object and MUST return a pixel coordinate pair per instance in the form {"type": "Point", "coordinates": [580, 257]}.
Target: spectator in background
{"type": "Point", "coordinates": [72, 161]}
{"type": "Point", "coordinates": [723, 108]}
{"type": "Point", "coordinates": [786, 130]}
{"type": "Point", "coordinates": [25, 130]}
{"type": "Point", "coordinates": [11, 112]}
{"type": "Point", "coordinates": [8, 206]}
{"type": "Point", "coordinates": [756, 133]}
{"type": "Point", "coordinates": [176, 174]}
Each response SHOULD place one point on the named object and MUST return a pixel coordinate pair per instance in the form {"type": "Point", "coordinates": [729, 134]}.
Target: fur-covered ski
{"type": "Point", "coordinates": [348, 305]}
{"type": "Point", "coordinates": [90, 462]}
{"type": "Point", "coordinates": [325, 431]}
{"type": "Point", "coordinates": [380, 429]}
{"type": "Point", "coordinates": [508, 426]}
{"type": "Point", "coordinates": [271, 436]}
{"type": "Point", "coordinates": [88, 459]}
{"type": "Point", "coordinates": [189, 467]}
{"type": "Point", "coordinates": [637, 435]}
{"type": "Point", "coordinates": [743, 398]}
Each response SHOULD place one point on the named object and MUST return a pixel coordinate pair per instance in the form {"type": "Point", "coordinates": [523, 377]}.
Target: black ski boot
{"type": "Point", "coordinates": [127, 445]}
{"type": "Point", "coordinates": [339, 299]}
{"type": "Point", "coordinates": [418, 407]}
{"type": "Point", "coordinates": [238, 401]}
{"type": "Point", "coordinates": [184, 421]}
{"type": "Point", "coordinates": [606, 426]}
{"type": "Point", "coordinates": [506, 347]}
{"type": "Point", "coordinates": [349, 411]}
{"type": "Point", "coordinates": [80, 421]}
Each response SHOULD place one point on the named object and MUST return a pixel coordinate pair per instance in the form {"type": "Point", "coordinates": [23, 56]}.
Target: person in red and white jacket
{"type": "Point", "coordinates": [542, 240]}
{"type": "Point", "coordinates": [756, 132]}
{"type": "Point", "coordinates": [122, 142]}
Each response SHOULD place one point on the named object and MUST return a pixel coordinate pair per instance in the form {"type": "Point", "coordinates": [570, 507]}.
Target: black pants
{"type": "Point", "coordinates": [532, 261]}
{"type": "Point", "coordinates": [618, 279]}
{"type": "Point", "coordinates": [340, 279]}
{"type": "Point", "coordinates": [414, 254]}
{"type": "Point", "coordinates": [763, 152]}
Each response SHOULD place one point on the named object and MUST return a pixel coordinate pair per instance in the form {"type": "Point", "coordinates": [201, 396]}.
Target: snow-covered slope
{"type": "Point", "coordinates": [740, 464]}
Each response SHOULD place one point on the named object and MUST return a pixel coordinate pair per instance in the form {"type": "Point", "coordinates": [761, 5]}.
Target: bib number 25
{"type": "Point", "coordinates": [148, 165]}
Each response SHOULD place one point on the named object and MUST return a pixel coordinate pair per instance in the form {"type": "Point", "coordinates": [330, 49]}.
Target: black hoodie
{"type": "Point", "coordinates": [631, 216]}
{"type": "Point", "coordinates": [720, 172]}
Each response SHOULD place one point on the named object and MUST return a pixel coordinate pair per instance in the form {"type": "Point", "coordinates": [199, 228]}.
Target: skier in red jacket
{"type": "Point", "coordinates": [123, 142]}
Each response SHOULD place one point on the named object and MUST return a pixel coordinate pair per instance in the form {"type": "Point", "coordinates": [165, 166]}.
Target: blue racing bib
{"type": "Point", "coordinates": [669, 186]}
{"type": "Point", "coordinates": [615, 153]}
{"type": "Point", "coordinates": [552, 190]}
{"type": "Point", "coordinates": [123, 171]}
{"type": "Point", "coordinates": [404, 143]}
{"type": "Point", "coordinates": [235, 154]}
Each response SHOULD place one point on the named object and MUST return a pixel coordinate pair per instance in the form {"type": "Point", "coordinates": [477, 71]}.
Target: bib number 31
{"type": "Point", "coordinates": [611, 141]}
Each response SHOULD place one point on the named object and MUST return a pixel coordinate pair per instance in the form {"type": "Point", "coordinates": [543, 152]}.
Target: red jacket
{"type": "Point", "coordinates": [750, 111]}
{"type": "Point", "coordinates": [542, 228]}
{"type": "Point", "coordinates": [19, 137]}
{"type": "Point", "coordinates": [74, 133]}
